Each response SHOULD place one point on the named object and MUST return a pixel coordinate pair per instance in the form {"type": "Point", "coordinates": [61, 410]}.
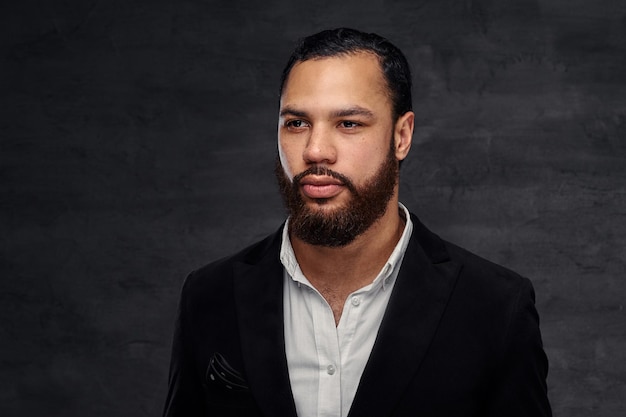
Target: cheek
{"type": "Point", "coordinates": [285, 155]}
{"type": "Point", "coordinates": [367, 160]}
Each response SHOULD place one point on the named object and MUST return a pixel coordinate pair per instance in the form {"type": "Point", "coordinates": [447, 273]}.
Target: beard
{"type": "Point", "coordinates": [339, 226]}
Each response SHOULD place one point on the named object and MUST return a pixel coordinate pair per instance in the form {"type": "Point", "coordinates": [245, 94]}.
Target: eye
{"type": "Point", "coordinates": [296, 124]}
{"type": "Point", "coordinates": [348, 124]}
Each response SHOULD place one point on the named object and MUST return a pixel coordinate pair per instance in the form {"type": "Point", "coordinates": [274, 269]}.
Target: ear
{"type": "Point", "coordinates": [403, 134]}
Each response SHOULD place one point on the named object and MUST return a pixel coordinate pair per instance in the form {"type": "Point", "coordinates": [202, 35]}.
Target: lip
{"type": "Point", "coordinates": [321, 187]}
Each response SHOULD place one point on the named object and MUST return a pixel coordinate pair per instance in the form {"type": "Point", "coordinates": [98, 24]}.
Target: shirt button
{"type": "Point", "coordinates": [330, 369]}
{"type": "Point", "coordinates": [355, 301]}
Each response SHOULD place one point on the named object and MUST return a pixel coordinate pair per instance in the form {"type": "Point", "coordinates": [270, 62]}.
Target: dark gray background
{"type": "Point", "coordinates": [138, 140]}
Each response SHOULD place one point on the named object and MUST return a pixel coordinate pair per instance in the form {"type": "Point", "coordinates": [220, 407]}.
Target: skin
{"type": "Point", "coordinates": [336, 112]}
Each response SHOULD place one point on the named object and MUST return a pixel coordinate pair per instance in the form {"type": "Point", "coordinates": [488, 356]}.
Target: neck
{"type": "Point", "coordinates": [348, 268]}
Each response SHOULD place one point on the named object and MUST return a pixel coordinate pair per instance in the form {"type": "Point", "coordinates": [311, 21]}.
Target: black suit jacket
{"type": "Point", "coordinates": [460, 337]}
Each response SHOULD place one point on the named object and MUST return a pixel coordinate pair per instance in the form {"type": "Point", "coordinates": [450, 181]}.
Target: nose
{"type": "Point", "coordinates": [320, 148]}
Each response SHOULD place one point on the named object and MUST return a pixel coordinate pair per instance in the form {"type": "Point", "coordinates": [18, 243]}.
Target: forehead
{"type": "Point", "coordinates": [352, 79]}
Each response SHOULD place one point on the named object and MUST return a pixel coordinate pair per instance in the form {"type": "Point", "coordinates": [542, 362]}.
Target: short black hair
{"type": "Point", "coordinates": [345, 41]}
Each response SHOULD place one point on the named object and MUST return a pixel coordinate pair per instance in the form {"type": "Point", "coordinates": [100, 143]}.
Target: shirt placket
{"type": "Point", "coordinates": [329, 360]}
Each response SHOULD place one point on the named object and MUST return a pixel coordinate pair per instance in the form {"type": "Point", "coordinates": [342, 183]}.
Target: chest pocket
{"type": "Point", "coordinates": [226, 392]}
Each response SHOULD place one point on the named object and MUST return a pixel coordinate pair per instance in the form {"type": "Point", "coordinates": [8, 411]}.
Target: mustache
{"type": "Point", "coordinates": [322, 170]}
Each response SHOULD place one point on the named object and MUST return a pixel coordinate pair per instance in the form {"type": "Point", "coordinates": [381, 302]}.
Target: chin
{"type": "Point", "coordinates": [326, 206]}
{"type": "Point", "coordinates": [321, 202]}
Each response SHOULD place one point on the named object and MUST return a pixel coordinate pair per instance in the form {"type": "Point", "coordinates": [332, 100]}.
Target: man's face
{"type": "Point", "coordinates": [337, 167]}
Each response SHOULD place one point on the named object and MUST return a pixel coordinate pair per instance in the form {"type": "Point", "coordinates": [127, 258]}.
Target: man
{"type": "Point", "coordinates": [353, 307]}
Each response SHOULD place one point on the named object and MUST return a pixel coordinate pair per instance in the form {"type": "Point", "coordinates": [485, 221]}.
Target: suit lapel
{"type": "Point", "coordinates": [259, 292]}
{"type": "Point", "coordinates": [419, 298]}
{"type": "Point", "coordinates": [417, 303]}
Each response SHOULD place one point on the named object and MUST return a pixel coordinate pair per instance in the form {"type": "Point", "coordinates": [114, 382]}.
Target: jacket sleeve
{"type": "Point", "coordinates": [520, 387]}
{"type": "Point", "coordinates": [184, 396]}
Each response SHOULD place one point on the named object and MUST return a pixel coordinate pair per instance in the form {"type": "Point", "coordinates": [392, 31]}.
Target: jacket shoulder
{"type": "Point", "coordinates": [480, 267]}
{"type": "Point", "coordinates": [479, 273]}
{"type": "Point", "coordinates": [491, 291]}
{"type": "Point", "coordinates": [220, 271]}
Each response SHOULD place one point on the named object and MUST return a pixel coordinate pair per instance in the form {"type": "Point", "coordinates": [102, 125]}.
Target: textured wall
{"type": "Point", "coordinates": [138, 139]}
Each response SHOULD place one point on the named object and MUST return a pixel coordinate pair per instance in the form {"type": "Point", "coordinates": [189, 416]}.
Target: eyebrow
{"type": "Point", "coordinates": [350, 111]}
{"type": "Point", "coordinates": [292, 112]}
{"type": "Point", "coordinates": [353, 111]}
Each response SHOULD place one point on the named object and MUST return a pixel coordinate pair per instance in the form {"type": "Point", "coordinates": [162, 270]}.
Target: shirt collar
{"type": "Point", "coordinates": [288, 257]}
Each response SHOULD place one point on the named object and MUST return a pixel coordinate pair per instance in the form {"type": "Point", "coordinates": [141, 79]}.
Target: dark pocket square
{"type": "Point", "coordinates": [221, 373]}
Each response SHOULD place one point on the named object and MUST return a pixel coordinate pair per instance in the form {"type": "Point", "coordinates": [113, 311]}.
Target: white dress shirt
{"type": "Point", "coordinates": [325, 360]}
